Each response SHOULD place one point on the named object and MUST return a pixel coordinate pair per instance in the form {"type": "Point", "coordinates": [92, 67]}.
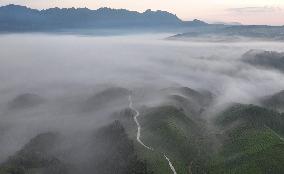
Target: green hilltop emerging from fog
{"type": "Point", "coordinates": [183, 132]}
{"type": "Point", "coordinates": [240, 139]}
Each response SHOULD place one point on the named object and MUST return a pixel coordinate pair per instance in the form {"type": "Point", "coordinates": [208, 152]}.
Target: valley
{"type": "Point", "coordinates": [148, 106]}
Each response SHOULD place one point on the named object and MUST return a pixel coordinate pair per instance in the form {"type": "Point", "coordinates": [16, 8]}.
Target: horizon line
{"type": "Point", "coordinates": [220, 22]}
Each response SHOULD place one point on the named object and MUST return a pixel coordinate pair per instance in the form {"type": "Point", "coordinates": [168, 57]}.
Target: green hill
{"type": "Point", "coordinates": [114, 152]}
{"type": "Point", "coordinates": [35, 157]}
{"type": "Point", "coordinates": [275, 101]}
{"type": "Point", "coordinates": [174, 128]}
{"type": "Point", "coordinates": [102, 99]}
{"type": "Point", "coordinates": [168, 130]}
{"type": "Point", "coordinates": [109, 151]}
{"type": "Point", "coordinates": [252, 141]}
{"type": "Point", "coordinates": [242, 139]}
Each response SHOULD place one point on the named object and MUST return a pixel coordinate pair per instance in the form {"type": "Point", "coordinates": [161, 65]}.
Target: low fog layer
{"type": "Point", "coordinates": [59, 73]}
{"type": "Point", "coordinates": [268, 59]}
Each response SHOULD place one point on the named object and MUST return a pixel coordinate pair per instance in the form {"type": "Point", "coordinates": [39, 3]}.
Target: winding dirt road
{"type": "Point", "coordinates": [137, 114]}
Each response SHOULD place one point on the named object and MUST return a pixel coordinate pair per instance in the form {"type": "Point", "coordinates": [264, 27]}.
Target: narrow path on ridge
{"type": "Point", "coordinates": [138, 135]}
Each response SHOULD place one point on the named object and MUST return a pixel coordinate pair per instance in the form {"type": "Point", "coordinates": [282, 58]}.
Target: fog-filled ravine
{"type": "Point", "coordinates": [64, 105]}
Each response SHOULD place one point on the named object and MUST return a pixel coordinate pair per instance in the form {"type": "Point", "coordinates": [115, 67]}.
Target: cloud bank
{"type": "Point", "coordinates": [67, 70]}
{"type": "Point", "coordinates": [264, 9]}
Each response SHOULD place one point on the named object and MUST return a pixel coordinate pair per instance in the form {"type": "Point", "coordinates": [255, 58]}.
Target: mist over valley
{"type": "Point", "coordinates": [83, 97]}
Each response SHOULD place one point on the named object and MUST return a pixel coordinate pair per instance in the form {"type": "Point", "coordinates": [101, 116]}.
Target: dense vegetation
{"type": "Point", "coordinates": [275, 101]}
{"type": "Point", "coordinates": [252, 141]}
{"type": "Point", "coordinates": [266, 59]}
{"type": "Point", "coordinates": [110, 151]}
{"type": "Point", "coordinates": [116, 152]}
{"type": "Point", "coordinates": [35, 157]}
{"type": "Point", "coordinates": [242, 139]}
{"type": "Point", "coordinates": [168, 130]}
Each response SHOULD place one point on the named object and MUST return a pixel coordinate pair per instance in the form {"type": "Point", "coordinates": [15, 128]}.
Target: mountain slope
{"type": "Point", "coordinates": [109, 151]}
{"type": "Point", "coordinates": [21, 18]}
{"type": "Point", "coordinates": [276, 101]}
{"type": "Point", "coordinates": [252, 141]}
{"type": "Point", "coordinates": [36, 157]}
{"type": "Point", "coordinates": [101, 100]}
{"type": "Point", "coordinates": [168, 130]}
{"type": "Point", "coordinates": [242, 139]}
{"type": "Point", "coordinates": [222, 33]}
{"type": "Point", "coordinates": [115, 152]}
{"type": "Point", "coordinates": [265, 59]}
{"type": "Point", "coordinates": [25, 101]}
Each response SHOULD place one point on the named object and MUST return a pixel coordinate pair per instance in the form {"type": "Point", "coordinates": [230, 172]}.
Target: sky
{"type": "Point", "coordinates": [246, 11]}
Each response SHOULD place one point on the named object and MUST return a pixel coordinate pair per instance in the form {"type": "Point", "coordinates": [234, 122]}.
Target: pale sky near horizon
{"type": "Point", "coordinates": [246, 11]}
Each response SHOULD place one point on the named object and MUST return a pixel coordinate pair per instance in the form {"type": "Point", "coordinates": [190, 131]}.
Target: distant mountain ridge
{"type": "Point", "coordinates": [232, 33]}
{"type": "Point", "coordinates": [21, 18]}
{"type": "Point", "coordinates": [265, 59]}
